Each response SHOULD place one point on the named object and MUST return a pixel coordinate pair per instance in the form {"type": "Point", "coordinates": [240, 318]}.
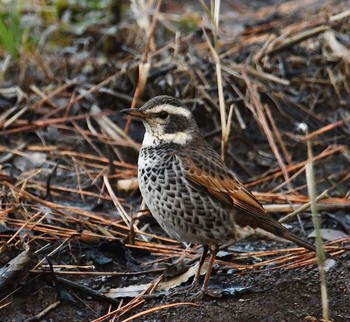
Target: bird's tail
{"type": "Point", "coordinates": [300, 242]}
{"type": "Point", "coordinates": [286, 235]}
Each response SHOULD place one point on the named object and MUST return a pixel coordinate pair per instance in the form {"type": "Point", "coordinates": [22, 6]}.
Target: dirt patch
{"type": "Point", "coordinates": [274, 295]}
{"type": "Point", "coordinates": [292, 295]}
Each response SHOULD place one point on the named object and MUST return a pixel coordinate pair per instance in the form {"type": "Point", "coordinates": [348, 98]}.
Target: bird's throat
{"type": "Point", "coordinates": [152, 139]}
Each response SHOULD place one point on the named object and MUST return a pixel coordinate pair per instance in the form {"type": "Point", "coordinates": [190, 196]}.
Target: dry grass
{"type": "Point", "coordinates": [65, 149]}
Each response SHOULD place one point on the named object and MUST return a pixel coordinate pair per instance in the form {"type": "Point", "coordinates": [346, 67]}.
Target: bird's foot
{"type": "Point", "coordinates": [196, 295]}
{"type": "Point", "coordinates": [190, 292]}
{"type": "Point", "coordinates": [185, 290]}
{"type": "Point", "coordinates": [199, 293]}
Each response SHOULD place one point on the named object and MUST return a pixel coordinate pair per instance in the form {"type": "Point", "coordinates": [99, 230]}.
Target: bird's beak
{"type": "Point", "coordinates": [136, 112]}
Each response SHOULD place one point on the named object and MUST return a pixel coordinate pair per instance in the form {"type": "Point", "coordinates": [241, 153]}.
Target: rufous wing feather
{"type": "Point", "coordinates": [224, 187]}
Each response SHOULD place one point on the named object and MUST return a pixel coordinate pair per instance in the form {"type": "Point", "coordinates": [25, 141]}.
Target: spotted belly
{"type": "Point", "coordinates": [182, 211]}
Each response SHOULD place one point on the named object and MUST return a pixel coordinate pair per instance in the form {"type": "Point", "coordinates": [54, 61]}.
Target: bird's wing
{"type": "Point", "coordinates": [205, 171]}
{"type": "Point", "coordinates": [209, 173]}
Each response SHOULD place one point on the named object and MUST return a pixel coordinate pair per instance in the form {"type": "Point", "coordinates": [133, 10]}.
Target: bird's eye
{"type": "Point", "coordinates": [163, 115]}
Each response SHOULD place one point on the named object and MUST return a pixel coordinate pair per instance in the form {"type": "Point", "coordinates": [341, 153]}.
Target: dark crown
{"type": "Point", "coordinates": [162, 100]}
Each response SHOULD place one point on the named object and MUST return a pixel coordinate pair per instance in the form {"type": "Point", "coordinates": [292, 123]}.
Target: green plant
{"type": "Point", "coordinates": [10, 33]}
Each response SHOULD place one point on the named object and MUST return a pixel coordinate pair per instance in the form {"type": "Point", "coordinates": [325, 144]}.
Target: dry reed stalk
{"type": "Point", "coordinates": [278, 172]}
{"type": "Point", "coordinates": [238, 70]}
{"type": "Point", "coordinates": [145, 65]}
{"type": "Point", "coordinates": [260, 111]}
{"type": "Point", "coordinates": [284, 219]}
{"type": "Point", "coordinates": [278, 136]}
{"type": "Point", "coordinates": [325, 129]}
{"type": "Point", "coordinates": [40, 124]}
{"type": "Point", "coordinates": [214, 17]}
{"type": "Point", "coordinates": [287, 42]}
{"type": "Point", "coordinates": [321, 258]}
{"type": "Point", "coordinates": [158, 308]}
{"type": "Point", "coordinates": [136, 301]}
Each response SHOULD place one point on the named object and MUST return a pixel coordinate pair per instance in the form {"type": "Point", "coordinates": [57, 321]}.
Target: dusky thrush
{"type": "Point", "coordinates": [188, 188]}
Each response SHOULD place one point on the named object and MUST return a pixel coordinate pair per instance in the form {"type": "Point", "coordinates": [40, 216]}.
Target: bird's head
{"type": "Point", "coordinates": [166, 119]}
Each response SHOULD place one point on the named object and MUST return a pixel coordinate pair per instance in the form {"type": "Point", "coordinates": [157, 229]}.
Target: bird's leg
{"type": "Point", "coordinates": [213, 251]}
{"type": "Point", "coordinates": [201, 261]}
{"type": "Point", "coordinates": [195, 283]}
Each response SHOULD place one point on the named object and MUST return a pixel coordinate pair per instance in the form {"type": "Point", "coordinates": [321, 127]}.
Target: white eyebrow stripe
{"type": "Point", "coordinates": [171, 110]}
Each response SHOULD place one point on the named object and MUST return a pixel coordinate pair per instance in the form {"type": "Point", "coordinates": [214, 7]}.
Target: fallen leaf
{"type": "Point", "coordinates": [329, 234]}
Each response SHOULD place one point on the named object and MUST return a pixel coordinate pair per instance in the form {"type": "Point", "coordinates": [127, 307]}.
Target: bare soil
{"type": "Point", "coordinates": [274, 295]}
{"type": "Point", "coordinates": [292, 295]}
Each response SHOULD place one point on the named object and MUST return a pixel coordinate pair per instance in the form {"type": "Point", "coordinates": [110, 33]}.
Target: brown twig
{"type": "Point", "coordinates": [144, 66]}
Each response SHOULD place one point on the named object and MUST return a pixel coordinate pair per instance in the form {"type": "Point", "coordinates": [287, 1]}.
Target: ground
{"type": "Point", "coordinates": [274, 295]}
{"type": "Point", "coordinates": [72, 224]}
{"type": "Point", "coordinates": [292, 295]}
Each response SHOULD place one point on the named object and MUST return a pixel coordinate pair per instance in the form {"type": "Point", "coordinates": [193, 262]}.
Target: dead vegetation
{"type": "Point", "coordinates": [71, 216]}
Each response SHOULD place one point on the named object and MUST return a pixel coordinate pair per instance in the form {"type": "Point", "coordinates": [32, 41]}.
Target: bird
{"type": "Point", "coordinates": [188, 188]}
